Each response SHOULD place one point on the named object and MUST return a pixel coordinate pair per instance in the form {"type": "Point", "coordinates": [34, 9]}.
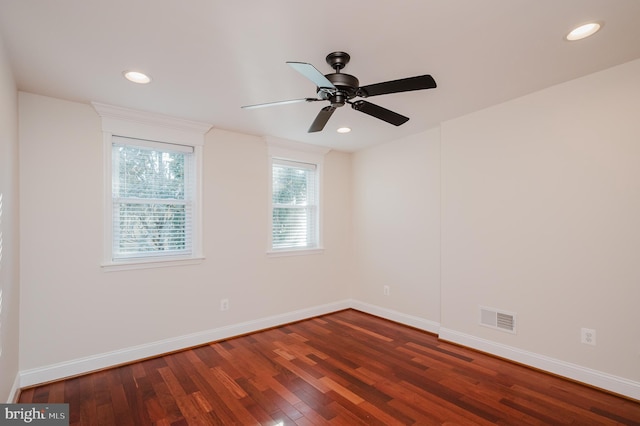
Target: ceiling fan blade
{"type": "Point", "coordinates": [379, 112]}
{"type": "Point", "coordinates": [268, 104]}
{"type": "Point", "coordinates": [312, 74]}
{"type": "Point", "coordinates": [403, 85]}
{"type": "Point", "coordinates": [321, 119]}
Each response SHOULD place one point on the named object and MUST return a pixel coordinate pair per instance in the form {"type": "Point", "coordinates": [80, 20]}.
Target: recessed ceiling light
{"type": "Point", "coordinates": [584, 31]}
{"type": "Point", "coordinates": [137, 77]}
{"type": "Point", "coordinates": [344, 130]}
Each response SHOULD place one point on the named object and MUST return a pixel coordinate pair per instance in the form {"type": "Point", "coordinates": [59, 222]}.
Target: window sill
{"type": "Point", "coordinates": [294, 252]}
{"type": "Point", "coordinates": [148, 264]}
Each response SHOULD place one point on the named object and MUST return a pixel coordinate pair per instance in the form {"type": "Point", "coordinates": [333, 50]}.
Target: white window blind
{"type": "Point", "coordinates": [152, 199]}
{"type": "Point", "coordinates": [294, 205]}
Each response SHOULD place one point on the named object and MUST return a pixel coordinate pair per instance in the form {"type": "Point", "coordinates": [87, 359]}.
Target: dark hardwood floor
{"type": "Point", "coordinates": [346, 368]}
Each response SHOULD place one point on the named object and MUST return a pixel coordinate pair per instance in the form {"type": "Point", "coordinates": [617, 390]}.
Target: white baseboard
{"type": "Point", "coordinates": [619, 385]}
{"type": "Point", "coordinates": [13, 393]}
{"type": "Point", "coordinates": [79, 366]}
{"type": "Point", "coordinates": [399, 317]}
{"type": "Point", "coordinates": [109, 359]}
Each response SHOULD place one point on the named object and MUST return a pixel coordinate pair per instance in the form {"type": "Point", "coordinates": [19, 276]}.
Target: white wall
{"type": "Point", "coordinates": [396, 211]}
{"type": "Point", "coordinates": [9, 245]}
{"type": "Point", "coordinates": [541, 203]}
{"type": "Point", "coordinates": [72, 309]}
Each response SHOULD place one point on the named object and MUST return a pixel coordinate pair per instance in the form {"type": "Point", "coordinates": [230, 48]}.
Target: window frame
{"type": "Point", "coordinates": [296, 152]}
{"type": "Point", "coordinates": [126, 123]}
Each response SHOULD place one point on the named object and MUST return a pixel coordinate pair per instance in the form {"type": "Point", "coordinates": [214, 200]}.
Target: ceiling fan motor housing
{"type": "Point", "coordinates": [346, 85]}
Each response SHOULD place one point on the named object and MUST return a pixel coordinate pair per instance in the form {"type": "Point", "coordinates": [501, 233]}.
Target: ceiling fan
{"type": "Point", "coordinates": [340, 89]}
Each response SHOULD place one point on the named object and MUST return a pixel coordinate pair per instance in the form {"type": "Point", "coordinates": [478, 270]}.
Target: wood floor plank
{"type": "Point", "coordinates": [318, 401]}
{"type": "Point", "coordinates": [345, 368]}
{"type": "Point", "coordinates": [488, 395]}
{"type": "Point", "coordinates": [166, 400]}
{"type": "Point", "coordinates": [105, 416]}
{"type": "Point", "coordinates": [221, 412]}
{"type": "Point", "coordinates": [416, 415]}
{"type": "Point", "coordinates": [310, 416]}
{"type": "Point", "coordinates": [303, 374]}
{"type": "Point", "coordinates": [342, 391]}
{"type": "Point", "coordinates": [282, 391]}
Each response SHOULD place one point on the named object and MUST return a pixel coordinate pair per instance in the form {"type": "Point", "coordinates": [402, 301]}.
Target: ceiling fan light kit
{"type": "Point", "coordinates": [339, 88]}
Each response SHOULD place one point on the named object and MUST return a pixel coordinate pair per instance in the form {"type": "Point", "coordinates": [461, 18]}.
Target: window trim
{"type": "Point", "coordinates": [300, 153]}
{"type": "Point", "coordinates": [117, 121]}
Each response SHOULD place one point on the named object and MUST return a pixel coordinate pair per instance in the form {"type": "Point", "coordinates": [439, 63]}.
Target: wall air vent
{"type": "Point", "coordinates": [499, 320]}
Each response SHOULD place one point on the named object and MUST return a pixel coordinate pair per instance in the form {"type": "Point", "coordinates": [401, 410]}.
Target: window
{"type": "Point", "coordinates": [153, 174]}
{"type": "Point", "coordinates": [152, 199]}
{"type": "Point", "coordinates": [295, 197]}
{"type": "Point", "coordinates": [294, 205]}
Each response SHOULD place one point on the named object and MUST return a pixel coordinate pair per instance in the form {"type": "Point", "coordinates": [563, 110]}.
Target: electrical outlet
{"type": "Point", "coordinates": [588, 336]}
{"type": "Point", "coordinates": [224, 304]}
{"type": "Point", "coordinates": [385, 290]}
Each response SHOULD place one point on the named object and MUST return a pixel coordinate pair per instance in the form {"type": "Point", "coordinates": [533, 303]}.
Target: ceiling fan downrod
{"type": "Point", "coordinates": [346, 85]}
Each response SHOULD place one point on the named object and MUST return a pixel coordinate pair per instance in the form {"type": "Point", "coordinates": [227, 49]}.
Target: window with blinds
{"type": "Point", "coordinates": [294, 205]}
{"type": "Point", "coordinates": [152, 199]}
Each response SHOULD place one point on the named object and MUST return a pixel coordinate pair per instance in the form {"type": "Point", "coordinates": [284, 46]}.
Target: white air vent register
{"type": "Point", "coordinates": [497, 319]}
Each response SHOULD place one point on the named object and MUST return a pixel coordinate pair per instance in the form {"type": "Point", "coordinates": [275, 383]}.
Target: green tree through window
{"type": "Point", "coordinates": [151, 201]}
{"type": "Point", "coordinates": [294, 205]}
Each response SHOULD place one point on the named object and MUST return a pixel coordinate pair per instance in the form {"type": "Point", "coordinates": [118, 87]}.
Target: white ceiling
{"type": "Point", "coordinates": [209, 57]}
